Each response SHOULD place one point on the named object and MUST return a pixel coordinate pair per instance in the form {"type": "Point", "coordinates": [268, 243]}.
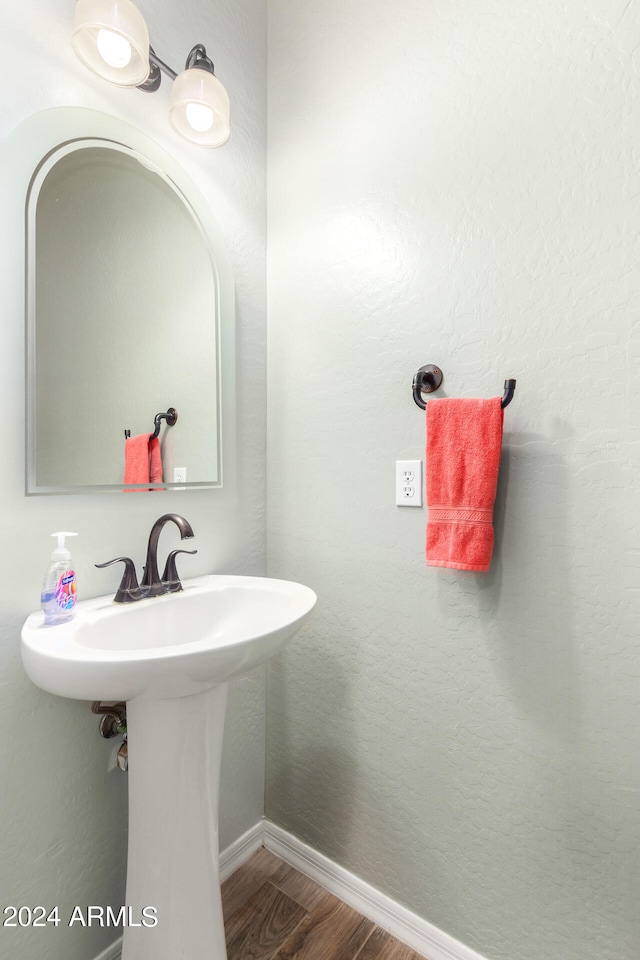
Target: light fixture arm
{"type": "Point", "coordinates": [155, 59]}
{"type": "Point", "coordinates": [156, 68]}
{"type": "Point", "coordinates": [197, 58]}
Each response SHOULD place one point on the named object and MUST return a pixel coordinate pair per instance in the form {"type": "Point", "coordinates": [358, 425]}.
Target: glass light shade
{"type": "Point", "coordinates": [199, 108]}
{"type": "Point", "coordinates": [111, 38]}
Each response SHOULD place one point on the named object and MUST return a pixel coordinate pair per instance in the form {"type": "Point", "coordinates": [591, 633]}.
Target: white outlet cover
{"type": "Point", "coordinates": [409, 483]}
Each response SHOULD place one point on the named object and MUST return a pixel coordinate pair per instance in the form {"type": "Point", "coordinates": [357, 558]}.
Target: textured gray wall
{"type": "Point", "coordinates": [62, 811]}
{"type": "Point", "coordinates": [457, 183]}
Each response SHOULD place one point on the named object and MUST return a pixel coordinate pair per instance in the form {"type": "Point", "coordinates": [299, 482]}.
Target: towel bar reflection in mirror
{"type": "Point", "coordinates": [171, 416]}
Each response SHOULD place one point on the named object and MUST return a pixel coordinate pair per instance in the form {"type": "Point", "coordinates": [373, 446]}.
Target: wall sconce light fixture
{"type": "Point", "coordinates": [111, 38]}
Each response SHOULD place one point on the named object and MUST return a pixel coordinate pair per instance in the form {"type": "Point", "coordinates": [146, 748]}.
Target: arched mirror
{"type": "Point", "coordinates": [129, 312]}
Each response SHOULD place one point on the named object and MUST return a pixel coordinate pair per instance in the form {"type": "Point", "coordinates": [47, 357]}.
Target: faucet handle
{"type": "Point", "coordinates": [128, 589]}
{"type": "Point", "coordinates": [170, 578]}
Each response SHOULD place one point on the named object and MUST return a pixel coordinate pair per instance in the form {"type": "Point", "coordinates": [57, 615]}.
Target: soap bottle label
{"type": "Point", "coordinates": [65, 595]}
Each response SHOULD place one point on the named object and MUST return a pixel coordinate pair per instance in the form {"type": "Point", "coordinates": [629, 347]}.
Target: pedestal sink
{"type": "Point", "coordinates": [170, 658]}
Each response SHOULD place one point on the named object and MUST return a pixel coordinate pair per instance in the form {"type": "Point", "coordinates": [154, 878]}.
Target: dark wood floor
{"type": "Point", "coordinates": [273, 912]}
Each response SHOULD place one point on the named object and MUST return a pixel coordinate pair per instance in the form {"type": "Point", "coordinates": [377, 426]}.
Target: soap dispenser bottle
{"type": "Point", "coordinates": [58, 597]}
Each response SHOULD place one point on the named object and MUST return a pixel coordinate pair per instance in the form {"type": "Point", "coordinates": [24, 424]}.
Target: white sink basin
{"type": "Point", "coordinates": [170, 646]}
{"type": "Point", "coordinates": [170, 658]}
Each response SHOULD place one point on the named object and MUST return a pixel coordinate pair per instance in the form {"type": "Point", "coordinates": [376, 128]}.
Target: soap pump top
{"type": "Point", "coordinates": [61, 552]}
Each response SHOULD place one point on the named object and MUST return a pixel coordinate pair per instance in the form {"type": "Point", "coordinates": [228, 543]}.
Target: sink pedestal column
{"type": "Point", "coordinates": [175, 748]}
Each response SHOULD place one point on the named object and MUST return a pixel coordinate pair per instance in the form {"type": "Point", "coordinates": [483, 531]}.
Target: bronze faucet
{"type": "Point", "coordinates": [150, 577]}
{"type": "Point", "coordinates": [152, 584]}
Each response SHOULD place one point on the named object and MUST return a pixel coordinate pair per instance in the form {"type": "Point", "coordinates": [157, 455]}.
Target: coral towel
{"type": "Point", "coordinates": [142, 460]}
{"type": "Point", "coordinates": [464, 442]}
{"type": "Point", "coordinates": [155, 461]}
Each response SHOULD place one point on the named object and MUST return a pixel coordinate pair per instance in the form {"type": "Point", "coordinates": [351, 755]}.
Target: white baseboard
{"type": "Point", "coordinates": [419, 934]}
{"type": "Point", "coordinates": [240, 850]}
{"type": "Point", "coordinates": [114, 952]}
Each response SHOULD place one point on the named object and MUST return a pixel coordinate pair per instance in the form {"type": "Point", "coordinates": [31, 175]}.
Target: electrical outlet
{"type": "Point", "coordinates": [179, 474]}
{"type": "Point", "coordinates": [409, 483]}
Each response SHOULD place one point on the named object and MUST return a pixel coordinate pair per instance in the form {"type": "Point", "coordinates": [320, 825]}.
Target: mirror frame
{"type": "Point", "coordinates": [21, 156]}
